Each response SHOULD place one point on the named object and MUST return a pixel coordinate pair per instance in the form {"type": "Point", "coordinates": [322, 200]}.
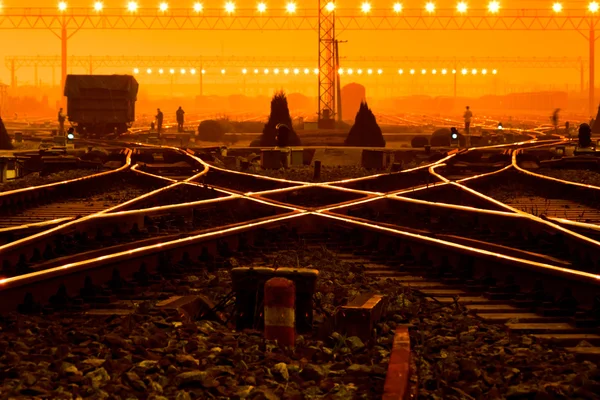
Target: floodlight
{"type": "Point", "coordinates": [494, 7]}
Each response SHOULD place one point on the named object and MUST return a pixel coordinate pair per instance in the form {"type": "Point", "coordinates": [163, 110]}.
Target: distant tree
{"type": "Point", "coordinates": [365, 132]}
{"type": "Point", "coordinates": [418, 142]}
{"type": "Point", "coordinates": [440, 138]}
{"type": "Point", "coordinates": [5, 143]}
{"type": "Point", "coordinates": [280, 114]}
{"type": "Point", "coordinates": [211, 131]}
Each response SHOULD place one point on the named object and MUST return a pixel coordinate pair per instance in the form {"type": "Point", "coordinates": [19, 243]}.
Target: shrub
{"type": "Point", "coordinates": [211, 131]}
{"type": "Point", "coordinates": [280, 114]}
{"type": "Point", "coordinates": [440, 138]}
{"type": "Point", "coordinates": [365, 132]}
{"type": "Point", "coordinates": [418, 142]}
{"type": "Point", "coordinates": [5, 143]}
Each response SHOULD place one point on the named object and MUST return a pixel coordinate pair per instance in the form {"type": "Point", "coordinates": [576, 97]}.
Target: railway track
{"type": "Point", "coordinates": [491, 256]}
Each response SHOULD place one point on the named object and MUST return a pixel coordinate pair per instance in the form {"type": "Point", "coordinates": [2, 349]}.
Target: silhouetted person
{"type": "Point", "coordinates": [283, 135]}
{"type": "Point", "coordinates": [555, 119]}
{"type": "Point", "coordinates": [585, 135]}
{"type": "Point", "coordinates": [159, 121]}
{"type": "Point", "coordinates": [567, 128]}
{"type": "Point", "coordinates": [468, 115]}
{"type": "Point", "coordinates": [179, 114]}
{"type": "Point", "coordinates": [61, 121]}
{"type": "Point", "coordinates": [152, 126]}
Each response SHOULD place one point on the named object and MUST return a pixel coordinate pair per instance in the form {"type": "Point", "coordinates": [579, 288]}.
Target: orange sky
{"type": "Point", "coordinates": [303, 44]}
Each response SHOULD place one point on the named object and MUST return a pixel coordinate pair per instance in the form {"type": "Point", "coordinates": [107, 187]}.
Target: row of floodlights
{"type": "Point", "coordinates": [461, 7]}
{"type": "Point", "coordinates": [341, 71]}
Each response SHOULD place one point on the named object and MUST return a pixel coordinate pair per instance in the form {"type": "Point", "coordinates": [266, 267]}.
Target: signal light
{"type": "Point", "coordinates": [70, 136]}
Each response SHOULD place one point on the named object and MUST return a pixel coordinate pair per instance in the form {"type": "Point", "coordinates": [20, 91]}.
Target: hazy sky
{"type": "Point", "coordinates": [304, 44]}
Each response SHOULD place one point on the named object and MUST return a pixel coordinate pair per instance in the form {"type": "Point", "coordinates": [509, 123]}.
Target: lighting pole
{"type": "Point", "coordinates": [592, 40]}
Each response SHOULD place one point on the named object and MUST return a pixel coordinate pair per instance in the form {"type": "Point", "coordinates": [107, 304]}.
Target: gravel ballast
{"type": "Point", "coordinates": [153, 354]}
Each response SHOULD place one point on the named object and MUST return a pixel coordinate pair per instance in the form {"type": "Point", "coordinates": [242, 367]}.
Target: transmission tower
{"type": "Point", "coordinates": [327, 72]}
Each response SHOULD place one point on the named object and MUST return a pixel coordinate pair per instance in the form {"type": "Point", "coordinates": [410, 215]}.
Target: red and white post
{"type": "Point", "coordinates": [280, 311]}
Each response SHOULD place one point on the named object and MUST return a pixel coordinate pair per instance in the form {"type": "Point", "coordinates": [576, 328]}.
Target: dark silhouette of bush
{"type": "Point", "coordinates": [211, 131]}
{"type": "Point", "coordinates": [440, 137]}
{"type": "Point", "coordinates": [585, 135]}
{"type": "Point", "coordinates": [365, 132]}
{"type": "Point", "coordinates": [418, 142]}
{"type": "Point", "coordinates": [280, 114]}
{"type": "Point", "coordinates": [5, 143]}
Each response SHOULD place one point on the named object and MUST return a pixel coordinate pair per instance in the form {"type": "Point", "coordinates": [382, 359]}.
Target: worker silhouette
{"type": "Point", "coordinates": [283, 135]}
{"type": "Point", "coordinates": [159, 121]}
{"type": "Point", "coordinates": [467, 116]}
{"type": "Point", "coordinates": [555, 119]}
{"type": "Point", "coordinates": [179, 114]}
{"type": "Point", "coordinates": [61, 121]}
{"type": "Point", "coordinates": [585, 136]}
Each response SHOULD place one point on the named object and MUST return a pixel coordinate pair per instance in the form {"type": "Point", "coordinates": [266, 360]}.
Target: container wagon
{"type": "Point", "coordinates": [101, 105]}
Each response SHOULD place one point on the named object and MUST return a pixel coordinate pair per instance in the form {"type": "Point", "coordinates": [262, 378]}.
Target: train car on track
{"type": "Point", "coordinates": [101, 105]}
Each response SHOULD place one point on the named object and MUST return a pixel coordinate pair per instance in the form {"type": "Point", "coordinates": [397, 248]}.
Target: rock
{"type": "Point", "coordinates": [134, 381]}
{"type": "Point", "coordinates": [182, 395]}
{"type": "Point", "coordinates": [196, 378]}
{"type": "Point", "coordinates": [354, 343]}
{"type": "Point", "coordinates": [98, 377]}
{"type": "Point", "coordinates": [116, 341]}
{"type": "Point", "coordinates": [358, 369]}
{"type": "Point", "coordinates": [155, 387]}
{"type": "Point", "coordinates": [187, 360]}
{"type": "Point", "coordinates": [147, 364]}
{"type": "Point", "coordinates": [94, 362]}
{"type": "Point", "coordinates": [69, 369]}
{"type": "Point", "coordinates": [282, 371]}
{"type": "Point", "coordinates": [244, 391]}
{"type": "Point", "coordinates": [312, 372]}
{"type": "Point", "coordinates": [28, 379]}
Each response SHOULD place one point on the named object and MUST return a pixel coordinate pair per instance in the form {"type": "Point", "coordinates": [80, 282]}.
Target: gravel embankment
{"type": "Point", "coordinates": [34, 179]}
{"type": "Point", "coordinates": [328, 173]}
{"type": "Point", "coordinates": [574, 175]}
{"type": "Point", "coordinates": [153, 355]}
